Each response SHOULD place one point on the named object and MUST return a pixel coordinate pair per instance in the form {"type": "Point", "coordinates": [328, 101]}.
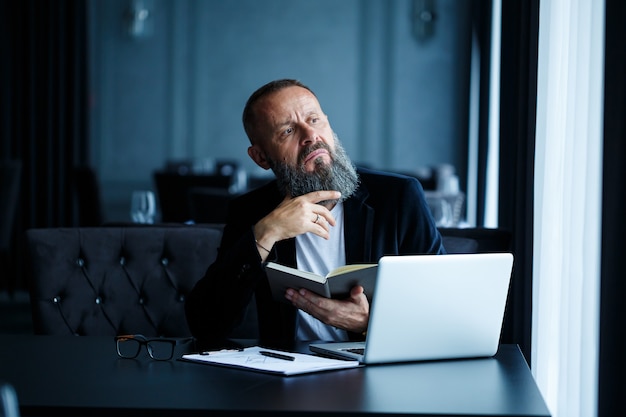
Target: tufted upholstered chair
{"type": "Point", "coordinates": [116, 280]}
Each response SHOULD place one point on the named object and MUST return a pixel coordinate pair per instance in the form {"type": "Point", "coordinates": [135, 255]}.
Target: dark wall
{"type": "Point", "coordinates": [397, 101]}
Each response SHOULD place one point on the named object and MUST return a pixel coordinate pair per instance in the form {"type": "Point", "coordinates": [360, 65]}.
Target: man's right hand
{"type": "Point", "coordinates": [295, 216]}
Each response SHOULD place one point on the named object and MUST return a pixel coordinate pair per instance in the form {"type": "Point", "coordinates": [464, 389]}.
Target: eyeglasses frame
{"type": "Point", "coordinates": [145, 341]}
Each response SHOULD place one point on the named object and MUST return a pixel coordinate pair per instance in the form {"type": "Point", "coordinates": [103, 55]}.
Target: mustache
{"type": "Point", "coordinates": [312, 148]}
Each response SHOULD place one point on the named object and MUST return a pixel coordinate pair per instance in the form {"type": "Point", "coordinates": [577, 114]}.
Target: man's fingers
{"type": "Point", "coordinates": [356, 291]}
{"type": "Point", "coordinates": [318, 196]}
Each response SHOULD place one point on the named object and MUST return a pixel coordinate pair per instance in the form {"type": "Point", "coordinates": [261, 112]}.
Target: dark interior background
{"type": "Point", "coordinates": [76, 89]}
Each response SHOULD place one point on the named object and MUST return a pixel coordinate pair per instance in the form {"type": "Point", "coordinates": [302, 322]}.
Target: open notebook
{"type": "Point", "coordinates": [430, 307]}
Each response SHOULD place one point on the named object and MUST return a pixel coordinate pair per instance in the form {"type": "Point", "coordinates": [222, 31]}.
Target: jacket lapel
{"type": "Point", "coordinates": [358, 225]}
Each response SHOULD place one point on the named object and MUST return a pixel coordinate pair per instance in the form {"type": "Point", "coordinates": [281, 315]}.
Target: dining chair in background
{"type": "Point", "coordinates": [173, 192]}
{"type": "Point", "coordinates": [88, 196]}
{"type": "Point", "coordinates": [209, 204]}
{"type": "Point", "coordinates": [476, 239]}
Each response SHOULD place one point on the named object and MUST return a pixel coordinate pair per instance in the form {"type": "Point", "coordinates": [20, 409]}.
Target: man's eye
{"type": "Point", "coordinates": [315, 120]}
{"type": "Point", "coordinates": [288, 131]}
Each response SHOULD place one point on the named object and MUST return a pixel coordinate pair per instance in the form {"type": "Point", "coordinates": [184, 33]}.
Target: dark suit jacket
{"type": "Point", "coordinates": [388, 215]}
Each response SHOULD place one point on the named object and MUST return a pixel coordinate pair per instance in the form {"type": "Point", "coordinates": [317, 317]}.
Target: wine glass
{"type": "Point", "coordinates": [441, 211]}
{"type": "Point", "coordinates": [142, 207]}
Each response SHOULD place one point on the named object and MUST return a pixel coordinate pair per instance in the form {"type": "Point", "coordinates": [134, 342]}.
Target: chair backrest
{"type": "Point", "coordinates": [88, 198]}
{"type": "Point", "coordinates": [173, 192]}
{"type": "Point", "coordinates": [476, 240]}
{"type": "Point", "coordinates": [209, 205]}
{"type": "Point", "coordinates": [116, 280]}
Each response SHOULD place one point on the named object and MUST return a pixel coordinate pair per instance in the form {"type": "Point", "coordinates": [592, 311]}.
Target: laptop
{"type": "Point", "coordinates": [432, 307]}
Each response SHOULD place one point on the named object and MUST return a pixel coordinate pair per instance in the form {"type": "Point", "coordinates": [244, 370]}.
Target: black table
{"type": "Point", "coordinates": [73, 376]}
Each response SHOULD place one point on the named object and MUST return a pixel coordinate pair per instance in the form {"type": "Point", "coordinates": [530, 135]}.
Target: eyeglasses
{"type": "Point", "coordinates": [160, 348]}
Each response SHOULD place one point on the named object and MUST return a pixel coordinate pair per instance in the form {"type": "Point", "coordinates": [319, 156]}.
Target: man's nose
{"type": "Point", "coordinates": [308, 135]}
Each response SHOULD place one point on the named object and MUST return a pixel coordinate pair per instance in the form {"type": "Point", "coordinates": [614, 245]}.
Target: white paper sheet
{"type": "Point", "coordinates": [251, 358]}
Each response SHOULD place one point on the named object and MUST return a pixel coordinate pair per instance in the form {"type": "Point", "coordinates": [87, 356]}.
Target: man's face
{"type": "Point", "coordinates": [295, 140]}
{"type": "Point", "coordinates": [293, 129]}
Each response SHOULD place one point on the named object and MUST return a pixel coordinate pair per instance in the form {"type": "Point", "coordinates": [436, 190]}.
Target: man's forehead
{"type": "Point", "coordinates": [289, 100]}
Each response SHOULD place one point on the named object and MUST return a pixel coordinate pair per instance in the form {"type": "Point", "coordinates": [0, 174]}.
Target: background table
{"type": "Point", "coordinates": [83, 376]}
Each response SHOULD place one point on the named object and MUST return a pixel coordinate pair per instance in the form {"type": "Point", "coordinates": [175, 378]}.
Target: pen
{"type": "Point", "coordinates": [277, 355]}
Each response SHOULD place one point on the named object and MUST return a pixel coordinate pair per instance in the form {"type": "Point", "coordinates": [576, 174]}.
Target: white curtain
{"type": "Point", "coordinates": [567, 206]}
{"type": "Point", "coordinates": [493, 151]}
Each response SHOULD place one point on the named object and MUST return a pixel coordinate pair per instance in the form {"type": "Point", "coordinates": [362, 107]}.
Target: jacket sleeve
{"type": "Point", "coordinates": [418, 231]}
{"type": "Point", "coordinates": [217, 302]}
{"type": "Point", "coordinates": [402, 223]}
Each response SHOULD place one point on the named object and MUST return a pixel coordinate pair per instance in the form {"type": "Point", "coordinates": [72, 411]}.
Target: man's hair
{"type": "Point", "coordinates": [249, 116]}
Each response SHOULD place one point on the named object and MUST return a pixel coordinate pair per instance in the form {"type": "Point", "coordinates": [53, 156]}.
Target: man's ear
{"type": "Point", "coordinates": [258, 156]}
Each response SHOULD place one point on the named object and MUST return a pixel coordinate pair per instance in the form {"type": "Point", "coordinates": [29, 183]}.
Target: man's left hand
{"type": "Point", "coordinates": [350, 314]}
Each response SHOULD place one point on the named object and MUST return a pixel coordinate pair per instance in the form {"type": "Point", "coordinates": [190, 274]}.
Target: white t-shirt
{"type": "Point", "coordinates": [316, 254]}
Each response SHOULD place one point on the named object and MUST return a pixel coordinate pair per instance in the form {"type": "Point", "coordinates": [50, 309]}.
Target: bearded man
{"type": "Point", "coordinates": [320, 213]}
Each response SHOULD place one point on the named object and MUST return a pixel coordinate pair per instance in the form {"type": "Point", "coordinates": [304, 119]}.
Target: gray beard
{"type": "Point", "coordinates": [340, 175]}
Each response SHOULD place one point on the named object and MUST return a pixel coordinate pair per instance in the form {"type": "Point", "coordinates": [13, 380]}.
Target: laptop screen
{"type": "Point", "coordinates": [428, 307]}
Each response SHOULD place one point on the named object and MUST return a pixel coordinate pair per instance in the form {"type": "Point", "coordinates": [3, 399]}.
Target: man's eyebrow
{"type": "Point", "coordinates": [312, 112]}
{"type": "Point", "coordinates": [284, 123]}
{"type": "Point", "coordinates": [289, 120]}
